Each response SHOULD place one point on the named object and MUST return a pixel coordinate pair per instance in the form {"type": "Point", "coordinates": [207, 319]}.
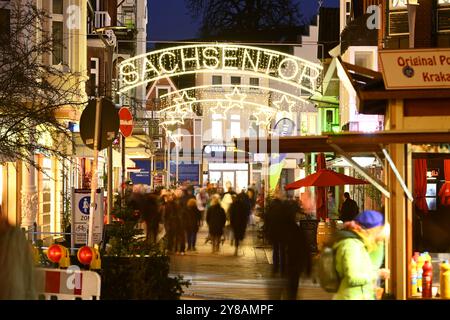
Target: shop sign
{"type": "Point", "coordinates": [416, 69]}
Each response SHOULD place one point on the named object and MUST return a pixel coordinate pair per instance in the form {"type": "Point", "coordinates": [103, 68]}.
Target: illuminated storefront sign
{"type": "Point", "coordinates": [416, 69]}
{"type": "Point", "coordinates": [223, 58]}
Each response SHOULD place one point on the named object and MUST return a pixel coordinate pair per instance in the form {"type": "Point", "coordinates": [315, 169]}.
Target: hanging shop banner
{"type": "Point", "coordinates": [142, 174]}
{"type": "Point", "coordinates": [187, 172]}
{"type": "Point", "coordinates": [81, 202]}
{"type": "Point", "coordinates": [284, 127]}
{"type": "Point", "coordinates": [416, 68]}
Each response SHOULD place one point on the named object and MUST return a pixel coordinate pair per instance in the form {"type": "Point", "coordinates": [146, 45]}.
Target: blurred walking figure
{"type": "Point", "coordinates": [359, 255]}
{"type": "Point", "coordinates": [202, 201]}
{"type": "Point", "coordinates": [227, 200]}
{"type": "Point", "coordinates": [276, 222]}
{"type": "Point", "coordinates": [349, 209]}
{"type": "Point", "coordinates": [215, 217]}
{"type": "Point", "coordinates": [180, 221]}
{"type": "Point", "coordinates": [239, 215]}
{"type": "Point", "coordinates": [170, 220]}
{"type": "Point", "coordinates": [193, 220]}
{"type": "Point", "coordinates": [16, 264]}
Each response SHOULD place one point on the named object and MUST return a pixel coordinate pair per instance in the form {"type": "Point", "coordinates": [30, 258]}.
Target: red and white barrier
{"type": "Point", "coordinates": [68, 284]}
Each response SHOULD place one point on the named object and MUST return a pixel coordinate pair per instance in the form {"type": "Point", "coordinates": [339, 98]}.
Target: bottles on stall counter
{"type": "Point", "coordinates": [413, 277]}
{"type": "Point", "coordinates": [427, 280]}
{"type": "Point", "coordinates": [445, 280]}
{"type": "Point", "coordinates": [420, 263]}
{"type": "Point", "coordinates": [416, 256]}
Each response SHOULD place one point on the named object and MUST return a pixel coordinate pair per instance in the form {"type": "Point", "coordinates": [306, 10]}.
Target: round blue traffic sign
{"type": "Point", "coordinates": [84, 205]}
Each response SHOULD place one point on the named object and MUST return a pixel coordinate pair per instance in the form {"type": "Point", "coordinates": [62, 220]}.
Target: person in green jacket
{"type": "Point", "coordinates": [358, 259]}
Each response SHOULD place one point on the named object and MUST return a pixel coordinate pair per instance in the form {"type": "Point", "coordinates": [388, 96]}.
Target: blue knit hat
{"type": "Point", "coordinates": [370, 219]}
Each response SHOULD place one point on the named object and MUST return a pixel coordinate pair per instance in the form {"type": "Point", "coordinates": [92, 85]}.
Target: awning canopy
{"type": "Point", "coordinates": [350, 142]}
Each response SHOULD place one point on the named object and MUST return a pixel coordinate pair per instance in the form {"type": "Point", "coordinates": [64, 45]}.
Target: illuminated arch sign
{"type": "Point", "coordinates": [223, 58]}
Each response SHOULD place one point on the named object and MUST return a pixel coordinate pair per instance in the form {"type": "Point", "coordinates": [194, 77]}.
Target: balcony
{"type": "Point", "coordinates": [101, 19]}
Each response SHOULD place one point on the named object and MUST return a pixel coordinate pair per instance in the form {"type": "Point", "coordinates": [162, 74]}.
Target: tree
{"type": "Point", "coordinates": [221, 17]}
{"type": "Point", "coordinates": [32, 91]}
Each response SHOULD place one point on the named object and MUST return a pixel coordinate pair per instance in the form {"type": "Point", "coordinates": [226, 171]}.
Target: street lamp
{"type": "Point", "coordinates": [412, 10]}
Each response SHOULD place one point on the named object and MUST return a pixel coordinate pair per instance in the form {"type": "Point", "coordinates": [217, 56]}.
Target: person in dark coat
{"type": "Point", "coordinates": [276, 222]}
{"type": "Point", "coordinates": [193, 221]}
{"type": "Point", "coordinates": [298, 252]}
{"type": "Point", "coordinates": [239, 214]}
{"type": "Point", "coordinates": [180, 223]}
{"type": "Point", "coordinates": [215, 218]}
{"type": "Point", "coordinates": [170, 217]}
{"type": "Point", "coordinates": [349, 209]}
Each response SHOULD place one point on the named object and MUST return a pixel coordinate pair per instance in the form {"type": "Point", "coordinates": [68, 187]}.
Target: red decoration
{"type": "Point", "coordinates": [444, 192]}
{"type": "Point", "coordinates": [54, 253]}
{"type": "Point", "coordinates": [85, 255]}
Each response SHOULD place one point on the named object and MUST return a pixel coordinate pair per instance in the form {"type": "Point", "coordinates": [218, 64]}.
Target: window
{"type": "Point", "coordinates": [430, 196]}
{"type": "Point", "coordinates": [93, 76]}
{"type": "Point", "coordinates": [443, 16]}
{"type": "Point", "coordinates": [253, 127]}
{"type": "Point", "coordinates": [216, 80]}
{"type": "Point", "coordinates": [57, 36]}
{"type": "Point", "coordinates": [216, 127]}
{"type": "Point", "coordinates": [4, 26]}
{"type": "Point", "coordinates": [254, 82]}
{"type": "Point", "coordinates": [235, 126]}
{"type": "Point", "coordinates": [363, 59]}
{"type": "Point", "coordinates": [58, 6]}
{"type": "Point", "coordinates": [161, 91]}
{"type": "Point", "coordinates": [312, 124]}
{"type": "Point", "coordinates": [236, 80]}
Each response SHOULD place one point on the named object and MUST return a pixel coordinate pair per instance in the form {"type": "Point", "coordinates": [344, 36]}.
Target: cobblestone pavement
{"type": "Point", "coordinates": [223, 275]}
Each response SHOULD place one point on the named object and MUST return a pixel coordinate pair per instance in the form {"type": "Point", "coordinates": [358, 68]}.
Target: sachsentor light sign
{"type": "Point", "coordinates": [223, 58]}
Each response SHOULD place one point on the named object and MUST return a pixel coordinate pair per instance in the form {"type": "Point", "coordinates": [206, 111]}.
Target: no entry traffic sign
{"type": "Point", "coordinates": [126, 122]}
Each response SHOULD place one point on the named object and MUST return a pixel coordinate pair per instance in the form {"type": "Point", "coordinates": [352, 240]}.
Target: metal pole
{"type": "Point", "coordinates": [412, 10]}
{"type": "Point", "coordinates": [94, 180]}
{"type": "Point", "coordinates": [176, 163]}
{"type": "Point", "coordinates": [122, 153]}
{"type": "Point", "coordinates": [168, 162]}
{"type": "Point", "coordinates": [110, 185]}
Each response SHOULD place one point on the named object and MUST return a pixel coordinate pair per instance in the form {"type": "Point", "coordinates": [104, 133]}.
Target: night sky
{"type": "Point", "coordinates": [170, 20]}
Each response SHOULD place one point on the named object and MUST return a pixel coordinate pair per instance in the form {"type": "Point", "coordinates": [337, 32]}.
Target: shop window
{"type": "Point", "coordinates": [443, 16]}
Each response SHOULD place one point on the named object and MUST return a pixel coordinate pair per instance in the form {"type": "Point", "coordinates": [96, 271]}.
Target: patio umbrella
{"type": "Point", "coordinates": [324, 178]}
{"type": "Point", "coordinates": [321, 203]}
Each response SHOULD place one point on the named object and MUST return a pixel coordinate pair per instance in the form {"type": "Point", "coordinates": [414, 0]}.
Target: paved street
{"type": "Point", "coordinates": [226, 276]}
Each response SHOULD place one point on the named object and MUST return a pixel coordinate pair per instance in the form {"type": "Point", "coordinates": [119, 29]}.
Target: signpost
{"type": "Point", "coordinates": [103, 115]}
{"type": "Point", "coordinates": [81, 205]}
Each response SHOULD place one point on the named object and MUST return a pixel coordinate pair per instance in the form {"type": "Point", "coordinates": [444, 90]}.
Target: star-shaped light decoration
{"type": "Point", "coordinates": [284, 104]}
{"type": "Point", "coordinates": [182, 108]}
{"type": "Point", "coordinates": [236, 99]}
{"type": "Point", "coordinates": [185, 99]}
{"type": "Point", "coordinates": [219, 109]}
{"type": "Point", "coordinates": [264, 115]}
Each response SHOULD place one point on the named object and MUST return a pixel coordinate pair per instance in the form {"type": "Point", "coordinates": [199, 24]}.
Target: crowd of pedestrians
{"type": "Point", "coordinates": [179, 213]}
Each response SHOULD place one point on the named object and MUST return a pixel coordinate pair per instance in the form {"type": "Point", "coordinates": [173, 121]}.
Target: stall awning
{"type": "Point", "coordinates": [350, 142]}
{"type": "Point", "coordinates": [345, 144]}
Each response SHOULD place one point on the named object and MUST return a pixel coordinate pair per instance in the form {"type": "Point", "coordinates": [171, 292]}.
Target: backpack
{"type": "Point", "coordinates": [328, 276]}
